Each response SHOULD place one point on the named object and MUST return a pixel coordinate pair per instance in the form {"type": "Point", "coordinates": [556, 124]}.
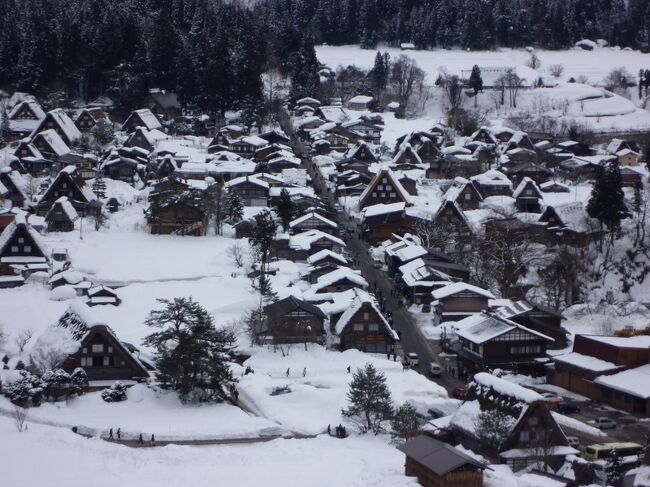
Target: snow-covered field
{"type": "Point", "coordinates": [588, 104]}
{"type": "Point", "coordinates": [594, 65]}
{"type": "Point", "coordinates": [63, 458]}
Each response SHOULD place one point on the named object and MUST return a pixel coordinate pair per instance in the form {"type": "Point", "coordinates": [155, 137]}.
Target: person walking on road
{"type": "Point", "coordinates": [287, 371]}
{"type": "Point", "coordinates": [153, 439]}
{"type": "Point", "coordinates": [119, 433]}
{"type": "Point", "coordinates": [140, 440]}
{"type": "Point", "coordinates": [110, 434]}
{"type": "Point", "coordinates": [304, 372]}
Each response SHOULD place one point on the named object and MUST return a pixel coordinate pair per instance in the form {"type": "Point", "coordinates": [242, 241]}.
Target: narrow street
{"type": "Point", "coordinates": [411, 337]}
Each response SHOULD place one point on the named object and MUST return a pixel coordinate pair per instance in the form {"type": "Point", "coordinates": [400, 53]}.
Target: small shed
{"type": "Point", "coordinates": [436, 464]}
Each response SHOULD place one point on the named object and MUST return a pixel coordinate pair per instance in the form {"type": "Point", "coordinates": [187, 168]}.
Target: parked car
{"type": "Point", "coordinates": [434, 369]}
{"type": "Point", "coordinates": [605, 423]}
{"type": "Point", "coordinates": [574, 442]}
{"type": "Point", "coordinates": [567, 408]}
{"type": "Point", "coordinates": [459, 393]}
{"type": "Point", "coordinates": [426, 308]}
{"type": "Point", "coordinates": [413, 359]}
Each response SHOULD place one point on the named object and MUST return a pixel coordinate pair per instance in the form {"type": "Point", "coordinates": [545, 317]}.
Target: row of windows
{"type": "Point", "coordinates": [525, 349]}
{"type": "Point", "coordinates": [361, 327]}
{"type": "Point", "coordinates": [383, 195]}
{"type": "Point", "coordinates": [97, 348]}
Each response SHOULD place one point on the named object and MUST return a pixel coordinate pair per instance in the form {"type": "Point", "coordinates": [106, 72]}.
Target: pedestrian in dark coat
{"type": "Point", "coordinates": [348, 369]}
{"type": "Point", "coordinates": [110, 434]}
{"type": "Point", "coordinates": [153, 439]}
{"type": "Point", "coordinates": [329, 430]}
{"type": "Point", "coordinates": [287, 371]}
{"type": "Point", "coordinates": [119, 433]}
{"type": "Point", "coordinates": [140, 440]}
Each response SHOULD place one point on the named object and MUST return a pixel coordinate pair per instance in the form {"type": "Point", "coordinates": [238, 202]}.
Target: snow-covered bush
{"type": "Point", "coordinates": [56, 384]}
{"type": "Point", "coordinates": [52, 348]}
{"type": "Point", "coordinates": [115, 393]}
{"type": "Point", "coordinates": [27, 389]}
{"type": "Point", "coordinates": [78, 380]}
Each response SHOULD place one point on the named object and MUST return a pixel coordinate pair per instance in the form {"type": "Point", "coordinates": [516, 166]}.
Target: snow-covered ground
{"type": "Point", "coordinates": [317, 398]}
{"type": "Point", "coordinates": [64, 458]}
{"type": "Point", "coordinates": [588, 104]}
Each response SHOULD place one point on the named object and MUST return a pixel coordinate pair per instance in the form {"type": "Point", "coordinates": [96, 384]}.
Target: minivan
{"type": "Point", "coordinates": [413, 359]}
{"type": "Point", "coordinates": [434, 369]}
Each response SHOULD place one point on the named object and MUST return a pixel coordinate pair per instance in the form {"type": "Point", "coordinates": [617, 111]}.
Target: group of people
{"type": "Point", "coordinates": [304, 371]}
{"type": "Point", "coordinates": [340, 431]}
{"type": "Point", "coordinates": [118, 436]}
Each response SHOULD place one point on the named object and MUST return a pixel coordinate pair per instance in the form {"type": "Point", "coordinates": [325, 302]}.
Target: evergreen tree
{"type": "Point", "coordinates": [493, 427]}
{"type": "Point", "coordinates": [405, 421]}
{"type": "Point", "coordinates": [234, 207]}
{"type": "Point", "coordinates": [192, 355]}
{"type": "Point", "coordinates": [285, 209]}
{"type": "Point", "coordinates": [370, 403]}
{"type": "Point", "coordinates": [99, 187]}
{"type": "Point", "coordinates": [56, 384]}
{"type": "Point", "coordinates": [103, 132]}
{"type": "Point", "coordinates": [264, 234]}
{"type": "Point", "coordinates": [305, 80]}
{"type": "Point", "coordinates": [615, 470]}
{"type": "Point", "coordinates": [607, 202]}
{"type": "Point", "coordinates": [476, 82]}
{"type": "Point", "coordinates": [380, 72]}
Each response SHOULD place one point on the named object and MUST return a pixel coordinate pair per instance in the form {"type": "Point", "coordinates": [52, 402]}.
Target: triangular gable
{"type": "Point", "coordinates": [406, 155]}
{"type": "Point", "coordinates": [384, 188]}
{"type": "Point", "coordinates": [19, 239]}
{"type": "Point", "coordinates": [61, 123]}
{"type": "Point", "coordinates": [362, 152]}
{"type": "Point", "coordinates": [73, 190]}
{"type": "Point", "coordinates": [525, 185]}
{"type": "Point", "coordinates": [450, 209]}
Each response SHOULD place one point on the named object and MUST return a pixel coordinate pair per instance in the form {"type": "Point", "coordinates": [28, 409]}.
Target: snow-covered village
{"type": "Point", "coordinates": [322, 243]}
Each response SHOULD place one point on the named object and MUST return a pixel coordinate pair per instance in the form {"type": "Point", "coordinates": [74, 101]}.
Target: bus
{"type": "Point", "coordinates": [603, 451]}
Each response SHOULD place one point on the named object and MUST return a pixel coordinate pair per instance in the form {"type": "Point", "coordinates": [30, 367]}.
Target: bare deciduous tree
{"type": "Point", "coordinates": [237, 252]}
{"type": "Point", "coordinates": [556, 70]}
{"type": "Point", "coordinates": [534, 61]}
{"type": "Point", "coordinates": [23, 338]}
{"type": "Point", "coordinates": [20, 418]}
{"type": "Point", "coordinates": [406, 77]}
{"type": "Point", "coordinates": [513, 83]}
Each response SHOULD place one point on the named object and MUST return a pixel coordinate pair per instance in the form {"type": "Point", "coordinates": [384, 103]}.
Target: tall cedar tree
{"type": "Point", "coordinates": [405, 423]}
{"type": "Point", "coordinates": [370, 401]}
{"type": "Point", "coordinates": [286, 209]}
{"type": "Point", "coordinates": [234, 207]}
{"type": "Point", "coordinates": [192, 355]}
{"type": "Point", "coordinates": [262, 242]}
{"type": "Point", "coordinates": [305, 80]}
{"type": "Point", "coordinates": [607, 202]}
{"type": "Point", "coordinates": [476, 82]}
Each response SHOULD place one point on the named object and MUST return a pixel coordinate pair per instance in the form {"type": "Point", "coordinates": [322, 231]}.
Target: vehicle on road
{"type": "Point", "coordinates": [434, 369]}
{"type": "Point", "coordinates": [601, 451]}
{"type": "Point", "coordinates": [349, 229]}
{"type": "Point", "coordinates": [605, 423]}
{"type": "Point", "coordinates": [459, 393]}
{"type": "Point", "coordinates": [413, 359]}
{"type": "Point", "coordinates": [567, 408]}
{"type": "Point", "coordinates": [574, 442]}
{"type": "Point", "coordinates": [376, 264]}
{"type": "Point", "coordinates": [426, 308]}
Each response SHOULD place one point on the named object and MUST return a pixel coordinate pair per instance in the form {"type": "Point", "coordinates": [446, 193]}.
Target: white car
{"type": "Point", "coordinates": [413, 359]}
{"type": "Point", "coordinates": [434, 369]}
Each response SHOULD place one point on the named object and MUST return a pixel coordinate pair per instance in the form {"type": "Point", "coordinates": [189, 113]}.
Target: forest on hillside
{"type": "Point", "coordinates": [213, 52]}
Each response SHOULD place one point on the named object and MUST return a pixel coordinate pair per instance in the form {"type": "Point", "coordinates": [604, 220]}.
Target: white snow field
{"type": "Point", "coordinates": [588, 104]}
{"type": "Point", "coordinates": [63, 458]}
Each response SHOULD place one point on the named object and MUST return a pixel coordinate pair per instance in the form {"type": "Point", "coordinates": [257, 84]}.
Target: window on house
{"type": "Point", "coordinates": [98, 348]}
{"type": "Point", "coordinates": [373, 327]}
{"type": "Point", "coordinates": [84, 350]}
{"type": "Point", "coordinates": [108, 361]}
{"type": "Point", "coordinates": [28, 248]}
{"type": "Point", "coordinates": [21, 240]}
{"type": "Point", "coordinates": [358, 327]}
{"type": "Point", "coordinates": [110, 349]}
{"type": "Point", "coordinates": [468, 196]}
{"type": "Point", "coordinates": [532, 421]}
{"type": "Point", "coordinates": [14, 249]}
{"type": "Point", "coordinates": [524, 436]}
{"type": "Point", "coordinates": [366, 316]}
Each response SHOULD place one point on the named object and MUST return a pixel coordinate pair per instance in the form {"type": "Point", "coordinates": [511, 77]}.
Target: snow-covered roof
{"type": "Point", "coordinates": [55, 141]}
{"type": "Point", "coordinates": [245, 179]}
{"type": "Point", "coordinates": [65, 123]}
{"type": "Point", "coordinates": [324, 254]}
{"type": "Point", "coordinates": [361, 298]}
{"type": "Point", "coordinates": [639, 341]}
{"type": "Point", "coordinates": [149, 120]}
{"type": "Point", "coordinates": [523, 184]}
{"type": "Point", "coordinates": [307, 101]}
{"type": "Point", "coordinates": [308, 120]}
{"type": "Point", "coordinates": [406, 147]}
{"type": "Point", "coordinates": [506, 388]}
{"type": "Point", "coordinates": [311, 215]}
{"type": "Point", "coordinates": [337, 275]}
{"type": "Point", "coordinates": [418, 273]}
{"type": "Point", "coordinates": [383, 209]}
{"type": "Point", "coordinates": [20, 220]}
{"type": "Point", "coordinates": [574, 216]}
{"type": "Point", "coordinates": [586, 362]}
{"type": "Point", "coordinates": [459, 287]}
{"type": "Point", "coordinates": [492, 177]}
{"type": "Point", "coordinates": [67, 208]}
{"type": "Point", "coordinates": [394, 181]}
{"type": "Point", "coordinates": [304, 240]}
{"type": "Point", "coordinates": [635, 382]}
{"type": "Point", "coordinates": [361, 99]}
{"type": "Point", "coordinates": [254, 140]}
{"type": "Point", "coordinates": [32, 104]}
